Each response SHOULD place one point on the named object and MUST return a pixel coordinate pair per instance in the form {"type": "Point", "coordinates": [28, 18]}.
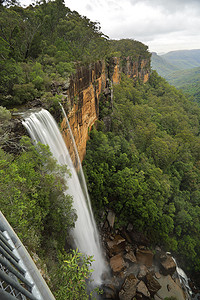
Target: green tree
{"type": "Point", "coordinates": [32, 196]}
{"type": "Point", "coordinates": [74, 276]}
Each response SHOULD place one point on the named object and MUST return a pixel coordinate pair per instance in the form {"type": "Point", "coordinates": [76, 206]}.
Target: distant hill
{"type": "Point", "coordinates": [175, 60]}
{"type": "Point", "coordinates": [162, 65]}
{"type": "Point", "coordinates": [181, 69]}
{"type": "Point", "coordinates": [183, 59]}
{"type": "Point", "coordinates": [188, 81]}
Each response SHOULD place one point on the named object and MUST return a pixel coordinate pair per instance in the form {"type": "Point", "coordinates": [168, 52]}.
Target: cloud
{"type": "Point", "coordinates": [161, 24]}
{"type": "Point", "coordinates": [89, 7]}
{"type": "Point", "coordinates": [172, 22]}
{"type": "Point", "coordinates": [169, 5]}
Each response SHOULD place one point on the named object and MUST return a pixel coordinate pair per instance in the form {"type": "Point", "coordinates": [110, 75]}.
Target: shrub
{"type": "Point", "coordinates": [24, 93]}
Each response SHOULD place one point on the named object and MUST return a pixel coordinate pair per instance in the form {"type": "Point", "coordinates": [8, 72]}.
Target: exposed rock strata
{"type": "Point", "coordinates": [82, 93]}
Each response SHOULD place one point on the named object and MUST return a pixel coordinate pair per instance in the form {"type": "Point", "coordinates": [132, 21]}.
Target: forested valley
{"type": "Point", "coordinates": [145, 166]}
{"type": "Point", "coordinates": [143, 155]}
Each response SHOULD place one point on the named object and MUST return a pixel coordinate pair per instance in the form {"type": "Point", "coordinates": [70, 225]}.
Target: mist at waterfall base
{"type": "Point", "coordinates": [42, 127]}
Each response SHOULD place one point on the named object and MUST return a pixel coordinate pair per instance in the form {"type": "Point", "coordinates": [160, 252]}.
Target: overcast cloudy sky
{"type": "Point", "coordinates": [163, 25]}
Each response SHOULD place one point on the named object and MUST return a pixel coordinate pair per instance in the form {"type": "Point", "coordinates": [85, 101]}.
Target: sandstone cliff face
{"type": "Point", "coordinates": [82, 104]}
{"type": "Point", "coordinates": [82, 96]}
{"type": "Point", "coordinates": [137, 69]}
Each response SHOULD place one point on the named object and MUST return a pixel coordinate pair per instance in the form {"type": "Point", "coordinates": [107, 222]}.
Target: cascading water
{"type": "Point", "coordinates": [77, 162]}
{"type": "Point", "coordinates": [43, 128]}
{"type": "Point", "coordinates": [183, 280]}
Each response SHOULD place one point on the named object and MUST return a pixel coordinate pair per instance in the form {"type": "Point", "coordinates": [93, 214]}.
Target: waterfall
{"type": "Point", "coordinates": [183, 280]}
{"type": "Point", "coordinates": [42, 128]}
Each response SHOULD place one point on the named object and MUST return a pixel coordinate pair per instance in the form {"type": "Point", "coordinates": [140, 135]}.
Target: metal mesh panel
{"type": "Point", "coordinates": [8, 288]}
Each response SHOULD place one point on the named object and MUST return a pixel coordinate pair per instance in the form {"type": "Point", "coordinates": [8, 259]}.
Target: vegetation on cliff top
{"type": "Point", "coordinates": [43, 43]}
{"type": "Point", "coordinates": [145, 167]}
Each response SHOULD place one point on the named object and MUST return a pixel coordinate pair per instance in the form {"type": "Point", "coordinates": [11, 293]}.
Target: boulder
{"type": "Point", "coordinates": [152, 284]}
{"type": "Point", "coordinates": [157, 275]}
{"type": "Point", "coordinates": [130, 256]}
{"type": "Point", "coordinates": [129, 287]}
{"type": "Point", "coordinates": [144, 257]}
{"type": "Point", "coordinates": [127, 236]}
{"type": "Point", "coordinates": [156, 297]}
{"type": "Point", "coordinates": [116, 245]}
{"type": "Point", "coordinates": [109, 292]}
{"type": "Point", "coordinates": [111, 218]}
{"type": "Point", "coordinates": [142, 272]}
{"type": "Point", "coordinates": [133, 269]}
{"type": "Point", "coordinates": [168, 266]}
{"type": "Point", "coordinates": [142, 289]}
{"type": "Point", "coordinates": [169, 289]}
{"type": "Point", "coordinates": [117, 263]}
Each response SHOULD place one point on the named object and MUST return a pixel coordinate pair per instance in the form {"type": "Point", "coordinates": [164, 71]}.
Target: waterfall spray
{"type": "Point", "coordinates": [42, 128]}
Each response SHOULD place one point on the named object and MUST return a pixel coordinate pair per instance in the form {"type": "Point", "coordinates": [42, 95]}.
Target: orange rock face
{"type": "Point", "coordinates": [83, 93]}
{"type": "Point", "coordinates": [82, 97]}
{"type": "Point", "coordinates": [116, 76]}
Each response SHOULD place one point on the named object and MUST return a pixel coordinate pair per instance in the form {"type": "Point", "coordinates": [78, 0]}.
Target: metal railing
{"type": "Point", "coordinates": [19, 277]}
{"type": "Point", "coordinates": [12, 275]}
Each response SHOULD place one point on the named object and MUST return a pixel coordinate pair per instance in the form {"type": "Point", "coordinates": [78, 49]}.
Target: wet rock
{"type": "Point", "coordinates": [130, 256]}
{"type": "Point", "coordinates": [128, 248]}
{"type": "Point", "coordinates": [139, 297]}
{"type": "Point", "coordinates": [109, 292]}
{"type": "Point", "coordinates": [112, 283]}
{"type": "Point", "coordinates": [162, 256]}
{"type": "Point", "coordinates": [158, 249]}
{"type": "Point", "coordinates": [117, 263]}
{"type": "Point", "coordinates": [142, 289]}
{"type": "Point", "coordinates": [111, 218]}
{"type": "Point", "coordinates": [129, 287]}
{"type": "Point", "coordinates": [169, 289]}
{"type": "Point", "coordinates": [145, 257]}
{"type": "Point", "coordinates": [142, 272]}
{"type": "Point", "coordinates": [157, 275]}
{"type": "Point", "coordinates": [168, 266]}
{"type": "Point", "coordinates": [116, 245]}
{"type": "Point", "coordinates": [133, 269]}
{"type": "Point", "coordinates": [156, 297]}
{"type": "Point", "coordinates": [152, 284]}
{"type": "Point", "coordinates": [127, 237]}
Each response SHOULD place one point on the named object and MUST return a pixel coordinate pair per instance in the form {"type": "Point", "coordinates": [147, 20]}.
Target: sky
{"type": "Point", "coordinates": [162, 25]}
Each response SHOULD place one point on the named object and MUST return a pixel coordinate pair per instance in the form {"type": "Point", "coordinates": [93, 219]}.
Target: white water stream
{"type": "Point", "coordinates": [42, 128]}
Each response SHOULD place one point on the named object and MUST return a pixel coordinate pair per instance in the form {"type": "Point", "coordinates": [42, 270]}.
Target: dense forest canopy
{"type": "Point", "coordinates": [146, 167]}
